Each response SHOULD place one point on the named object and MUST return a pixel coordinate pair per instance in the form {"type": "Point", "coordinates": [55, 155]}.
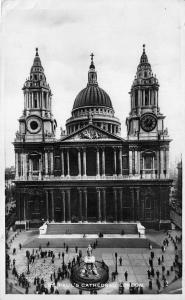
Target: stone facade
{"type": "Point", "coordinates": [91, 174]}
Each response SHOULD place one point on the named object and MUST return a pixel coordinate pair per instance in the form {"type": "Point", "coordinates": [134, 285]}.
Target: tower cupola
{"type": "Point", "coordinates": [37, 121]}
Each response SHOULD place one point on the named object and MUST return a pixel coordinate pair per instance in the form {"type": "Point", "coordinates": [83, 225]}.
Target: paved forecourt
{"type": "Point", "coordinates": [134, 260]}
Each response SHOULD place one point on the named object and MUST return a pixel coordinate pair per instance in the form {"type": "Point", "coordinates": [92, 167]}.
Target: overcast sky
{"type": "Point", "coordinates": [66, 32]}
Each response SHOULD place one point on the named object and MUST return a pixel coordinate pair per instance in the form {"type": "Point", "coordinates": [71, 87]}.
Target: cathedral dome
{"type": "Point", "coordinates": [92, 95]}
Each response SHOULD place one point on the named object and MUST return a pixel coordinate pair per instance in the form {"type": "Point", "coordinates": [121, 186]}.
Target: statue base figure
{"type": "Point", "coordinates": [89, 274]}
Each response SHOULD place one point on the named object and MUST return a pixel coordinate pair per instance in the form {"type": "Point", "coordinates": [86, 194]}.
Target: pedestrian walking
{"type": "Point", "coordinates": [152, 272]}
{"type": "Point", "coordinates": [150, 284]}
{"type": "Point", "coordinates": [126, 275]}
{"type": "Point", "coordinates": [157, 273]}
{"type": "Point", "coordinates": [152, 254]}
{"type": "Point", "coordinates": [120, 261]}
{"type": "Point", "coordinates": [148, 274]}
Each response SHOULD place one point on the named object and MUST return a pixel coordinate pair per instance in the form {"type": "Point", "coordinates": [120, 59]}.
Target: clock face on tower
{"type": "Point", "coordinates": [33, 125]}
{"type": "Point", "coordinates": [148, 122]}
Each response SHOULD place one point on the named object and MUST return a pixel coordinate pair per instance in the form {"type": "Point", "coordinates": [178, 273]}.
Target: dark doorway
{"type": "Point", "coordinates": [92, 205]}
{"type": "Point", "coordinates": [91, 162]}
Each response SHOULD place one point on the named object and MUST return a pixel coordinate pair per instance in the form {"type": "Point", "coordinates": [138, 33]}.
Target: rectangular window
{"type": "Point", "coordinates": [35, 162]}
{"type": "Point", "coordinates": [57, 163]}
{"type": "Point", "coordinates": [148, 162]}
{"type": "Point", "coordinates": [125, 161]}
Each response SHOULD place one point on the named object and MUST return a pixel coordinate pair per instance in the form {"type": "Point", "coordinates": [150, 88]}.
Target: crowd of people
{"type": "Point", "coordinates": [157, 274]}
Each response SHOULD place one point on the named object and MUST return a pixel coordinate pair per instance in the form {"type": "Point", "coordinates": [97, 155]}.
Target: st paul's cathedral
{"type": "Point", "coordinates": [91, 174]}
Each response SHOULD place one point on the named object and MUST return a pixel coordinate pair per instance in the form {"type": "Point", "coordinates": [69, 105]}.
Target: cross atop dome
{"type": "Point", "coordinates": [144, 58]}
{"type": "Point", "coordinates": [92, 55]}
{"type": "Point", "coordinates": [92, 66]}
{"type": "Point", "coordinates": [37, 54]}
{"type": "Point", "coordinates": [144, 48]}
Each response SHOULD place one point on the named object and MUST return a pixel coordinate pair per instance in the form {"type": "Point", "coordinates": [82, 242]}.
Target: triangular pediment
{"type": "Point", "coordinates": [91, 133]}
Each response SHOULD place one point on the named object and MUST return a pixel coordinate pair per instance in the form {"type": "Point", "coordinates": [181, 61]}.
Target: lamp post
{"type": "Point", "coordinates": [116, 270]}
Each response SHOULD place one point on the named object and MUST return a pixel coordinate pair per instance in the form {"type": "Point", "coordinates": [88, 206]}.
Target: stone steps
{"type": "Point", "coordinates": [91, 228]}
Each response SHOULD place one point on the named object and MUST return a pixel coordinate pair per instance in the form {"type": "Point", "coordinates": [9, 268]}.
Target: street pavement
{"type": "Point", "coordinates": [134, 260]}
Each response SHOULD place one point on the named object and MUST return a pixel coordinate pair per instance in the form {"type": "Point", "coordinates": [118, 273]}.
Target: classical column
{"type": "Point", "coordinates": [47, 97]}
{"type": "Point", "coordinates": [161, 163]}
{"type": "Point", "coordinates": [115, 205]}
{"type": "Point", "coordinates": [42, 100]}
{"type": "Point", "coordinates": [158, 164]}
{"type": "Point", "coordinates": [16, 166]}
{"type": "Point", "coordinates": [153, 166]}
{"type": "Point", "coordinates": [52, 207]}
{"type": "Point", "coordinates": [99, 204]}
{"type": "Point", "coordinates": [115, 166]}
{"type": "Point", "coordinates": [30, 169]}
{"type": "Point", "coordinates": [24, 211]}
{"type": "Point", "coordinates": [104, 204]}
{"type": "Point", "coordinates": [47, 207]}
{"type": "Point", "coordinates": [97, 162]}
{"type": "Point", "coordinates": [167, 163]}
{"type": "Point", "coordinates": [51, 162]}
{"type": "Point", "coordinates": [120, 161]}
{"type": "Point", "coordinates": [79, 162]}
{"type": "Point", "coordinates": [69, 204]}
{"type": "Point", "coordinates": [103, 161]}
{"type": "Point", "coordinates": [68, 166]}
{"type": "Point", "coordinates": [85, 204]}
{"type": "Point", "coordinates": [84, 162]}
{"type": "Point", "coordinates": [23, 165]}
{"type": "Point", "coordinates": [46, 163]}
{"type": "Point", "coordinates": [63, 207]}
{"type": "Point", "coordinates": [130, 162]}
{"type": "Point", "coordinates": [144, 103]}
{"type": "Point", "coordinates": [120, 205]}
{"type": "Point", "coordinates": [80, 204]}
{"type": "Point", "coordinates": [62, 163]}
{"type": "Point", "coordinates": [138, 162]}
{"type": "Point", "coordinates": [40, 168]}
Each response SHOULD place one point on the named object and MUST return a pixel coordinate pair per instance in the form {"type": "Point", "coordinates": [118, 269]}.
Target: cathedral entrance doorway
{"type": "Point", "coordinates": [92, 206]}
{"type": "Point", "coordinates": [91, 162]}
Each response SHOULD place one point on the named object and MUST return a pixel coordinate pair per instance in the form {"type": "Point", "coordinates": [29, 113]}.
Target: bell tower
{"type": "Point", "coordinates": [37, 122]}
{"type": "Point", "coordinates": [145, 122]}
